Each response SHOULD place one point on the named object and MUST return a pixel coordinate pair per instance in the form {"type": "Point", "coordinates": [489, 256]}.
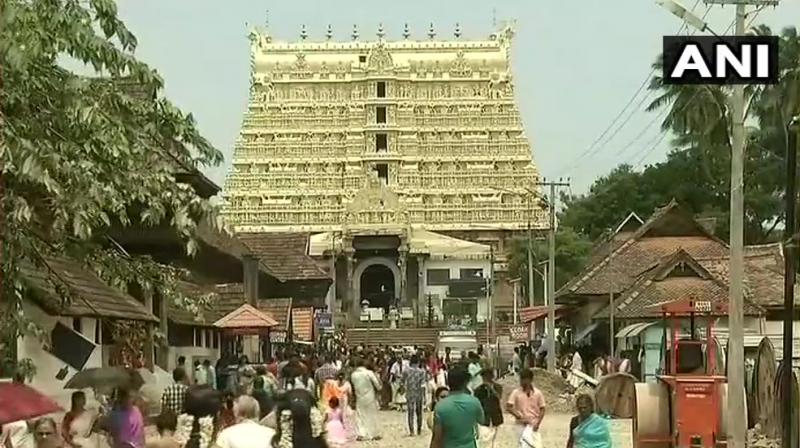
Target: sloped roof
{"type": "Point", "coordinates": [303, 324]}
{"type": "Point", "coordinates": [667, 230]}
{"type": "Point", "coordinates": [677, 277]}
{"type": "Point", "coordinates": [91, 296]}
{"type": "Point", "coordinates": [229, 297]}
{"type": "Point", "coordinates": [284, 254]}
{"type": "Point", "coordinates": [278, 309]}
{"type": "Point", "coordinates": [246, 316]}
{"type": "Point", "coordinates": [438, 246]}
{"type": "Point", "coordinates": [763, 281]}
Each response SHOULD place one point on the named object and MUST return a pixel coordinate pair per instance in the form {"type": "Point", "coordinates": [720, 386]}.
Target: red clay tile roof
{"type": "Point", "coordinates": [678, 277]}
{"type": "Point", "coordinates": [667, 230]}
{"type": "Point", "coordinates": [763, 282]}
{"type": "Point", "coordinates": [532, 313]}
{"type": "Point", "coordinates": [91, 296]}
{"type": "Point", "coordinates": [278, 309]}
{"type": "Point", "coordinates": [303, 324]}
{"type": "Point", "coordinates": [284, 254]}
{"type": "Point", "coordinates": [246, 316]}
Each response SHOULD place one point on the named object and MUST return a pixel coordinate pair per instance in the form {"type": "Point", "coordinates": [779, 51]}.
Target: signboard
{"type": "Point", "coordinates": [324, 320]}
{"type": "Point", "coordinates": [519, 333]}
{"type": "Point", "coordinates": [467, 333]}
{"type": "Point", "coordinates": [702, 307]}
{"type": "Point", "coordinates": [278, 337]}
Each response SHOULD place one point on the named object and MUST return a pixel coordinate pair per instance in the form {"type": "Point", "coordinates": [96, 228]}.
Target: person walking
{"type": "Point", "coordinates": [489, 394]}
{"type": "Point", "coordinates": [413, 380]}
{"type": "Point", "coordinates": [246, 433]}
{"type": "Point", "coordinates": [526, 403]}
{"type": "Point", "coordinates": [474, 368]}
{"type": "Point", "coordinates": [365, 385]}
{"type": "Point", "coordinates": [174, 396]}
{"type": "Point", "coordinates": [587, 429]}
{"type": "Point", "coordinates": [457, 416]}
{"type": "Point", "coordinates": [125, 422]}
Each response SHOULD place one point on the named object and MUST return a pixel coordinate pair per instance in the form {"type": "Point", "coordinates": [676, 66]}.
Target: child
{"type": "Point", "coordinates": [334, 425]}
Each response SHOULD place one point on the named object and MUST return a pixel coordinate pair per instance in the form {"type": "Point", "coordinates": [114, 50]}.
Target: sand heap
{"type": "Point", "coordinates": [558, 394]}
{"type": "Point", "coordinates": [757, 439]}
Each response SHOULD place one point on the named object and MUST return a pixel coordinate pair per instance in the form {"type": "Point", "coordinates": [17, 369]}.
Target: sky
{"type": "Point", "coordinates": [576, 63]}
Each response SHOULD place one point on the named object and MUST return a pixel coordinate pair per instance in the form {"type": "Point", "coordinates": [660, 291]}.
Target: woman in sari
{"type": "Point", "coordinates": [587, 429]}
{"type": "Point", "coordinates": [78, 423]}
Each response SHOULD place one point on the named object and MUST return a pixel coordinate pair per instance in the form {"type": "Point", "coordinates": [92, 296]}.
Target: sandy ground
{"type": "Point", "coordinates": [554, 433]}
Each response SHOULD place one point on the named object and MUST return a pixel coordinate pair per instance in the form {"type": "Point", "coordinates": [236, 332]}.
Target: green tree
{"type": "Point", "coordinates": [697, 171]}
{"type": "Point", "coordinates": [572, 253]}
{"type": "Point", "coordinates": [82, 153]}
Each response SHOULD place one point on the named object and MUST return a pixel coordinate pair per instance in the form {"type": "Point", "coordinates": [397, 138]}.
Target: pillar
{"type": "Point", "coordinates": [149, 345]}
{"type": "Point", "coordinates": [250, 274]}
{"type": "Point", "coordinates": [402, 263]}
{"type": "Point", "coordinates": [163, 327]}
{"type": "Point", "coordinates": [353, 301]}
{"type": "Point", "coordinates": [422, 302]}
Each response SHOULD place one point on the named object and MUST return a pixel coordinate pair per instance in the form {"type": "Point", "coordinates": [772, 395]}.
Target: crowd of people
{"type": "Point", "coordinates": [308, 399]}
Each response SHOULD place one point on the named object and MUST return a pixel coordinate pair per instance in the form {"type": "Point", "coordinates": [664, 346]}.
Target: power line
{"type": "Point", "coordinates": [591, 149]}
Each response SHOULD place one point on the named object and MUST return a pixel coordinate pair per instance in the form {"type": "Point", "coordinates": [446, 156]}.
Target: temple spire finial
{"type": "Point", "coordinates": [355, 32]}
{"type": "Point", "coordinates": [406, 31]}
{"type": "Point", "coordinates": [431, 32]}
{"type": "Point", "coordinates": [329, 32]}
{"type": "Point", "coordinates": [457, 32]}
{"type": "Point", "coordinates": [381, 33]}
{"type": "Point", "coordinates": [266, 20]}
{"type": "Point", "coordinates": [303, 33]}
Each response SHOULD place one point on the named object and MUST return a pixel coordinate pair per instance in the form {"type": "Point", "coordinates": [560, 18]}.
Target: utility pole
{"type": "Point", "coordinates": [789, 275]}
{"type": "Point", "coordinates": [611, 307]}
{"type": "Point", "coordinates": [737, 424]}
{"type": "Point", "coordinates": [551, 274]}
{"type": "Point", "coordinates": [532, 325]}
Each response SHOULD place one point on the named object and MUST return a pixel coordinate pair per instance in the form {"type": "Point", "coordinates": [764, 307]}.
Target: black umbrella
{"type": "Point", "coordinates": [105, 378]}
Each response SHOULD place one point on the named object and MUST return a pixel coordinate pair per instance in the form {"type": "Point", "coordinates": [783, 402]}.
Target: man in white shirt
{"type": "Point", "coordinates": [247, 433]}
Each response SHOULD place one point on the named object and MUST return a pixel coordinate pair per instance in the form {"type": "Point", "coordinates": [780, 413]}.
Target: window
{"type": "Point", "coordinates": [362, 59]}
{"type": "Point", "coordinates": [466, 273]}
{"type": "Point", "coordinates": [77, 325]}
{"type": "Point", "coordinates": [382, 171]}
{"type": "Point", "coordinates": [198, 337]}
{"type": "Point", "coordinates": [380, 115]}
{"type": "Point", "coordinates": [381, 142]}
{"type": "Point", "coordinates": [438, 277]}
{"type": "Point", "coordinates": [215, 339]}
{"type": "Point", "coordinates": [381, 89]}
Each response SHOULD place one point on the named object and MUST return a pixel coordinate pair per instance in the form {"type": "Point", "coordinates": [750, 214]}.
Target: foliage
{"type": "Point", "coordinates": [81, 153]}
{"type": "Point", "coordinates": [572, 253]}
{"type": "Point", "coordinates": [697, 170]}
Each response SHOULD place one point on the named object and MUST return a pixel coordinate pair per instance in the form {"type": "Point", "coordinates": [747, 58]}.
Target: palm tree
{"type": "Point", "coordinates": [699, 118]}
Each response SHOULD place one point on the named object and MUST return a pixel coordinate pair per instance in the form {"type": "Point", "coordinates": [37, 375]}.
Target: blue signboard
{"type": "Point", "coordinates": [324, 320]}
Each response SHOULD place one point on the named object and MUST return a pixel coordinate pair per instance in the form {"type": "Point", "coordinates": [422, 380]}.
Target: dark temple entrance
{"type": "Point", "coordinates": [377, 286]}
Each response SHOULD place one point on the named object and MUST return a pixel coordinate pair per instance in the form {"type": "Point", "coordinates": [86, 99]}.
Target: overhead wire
{"type": "Point", "coordinates": [591, 148]}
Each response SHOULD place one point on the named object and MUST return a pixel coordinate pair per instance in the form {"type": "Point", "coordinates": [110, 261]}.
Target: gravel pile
{"type": "Point", "coordinates": [757, 439]}
{"type": "Point", "coordinates": [558, 394]}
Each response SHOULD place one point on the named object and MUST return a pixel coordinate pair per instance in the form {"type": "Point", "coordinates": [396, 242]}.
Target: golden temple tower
{"type": "Point", "coordinates": [382, 134]}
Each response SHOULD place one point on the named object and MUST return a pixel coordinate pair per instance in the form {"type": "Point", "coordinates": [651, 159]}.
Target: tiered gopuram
{"type": "Point", "coordinates": [373, 134]}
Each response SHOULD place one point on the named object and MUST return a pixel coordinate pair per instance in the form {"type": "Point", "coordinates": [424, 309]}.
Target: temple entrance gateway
{"type": "Point", "coordinates": [377, 280]}
{"type": "Point", "coordinates": [377, 286]}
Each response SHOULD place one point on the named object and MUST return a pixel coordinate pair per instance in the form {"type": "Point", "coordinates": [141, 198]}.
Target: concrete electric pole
{"type": "Point", "coordinates": [551, 274]}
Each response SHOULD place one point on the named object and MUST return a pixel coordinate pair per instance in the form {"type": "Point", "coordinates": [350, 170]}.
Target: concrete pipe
{"type": "Point", "coordinates": [651, 414]}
